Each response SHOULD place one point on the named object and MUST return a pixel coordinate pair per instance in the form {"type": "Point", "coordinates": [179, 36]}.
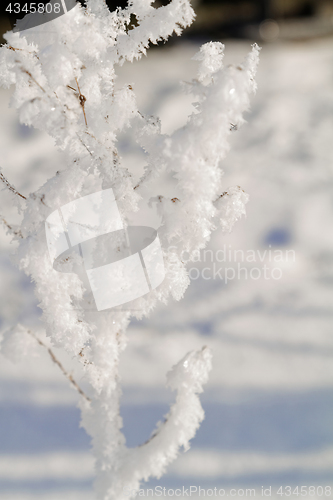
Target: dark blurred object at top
{"type": "Point", "coordinates": [263, 20]}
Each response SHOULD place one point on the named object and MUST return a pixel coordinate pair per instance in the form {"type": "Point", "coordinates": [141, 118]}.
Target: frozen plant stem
{"type": "Point", "coordinates": [57, 362]}
{"type": "Point", "coordinates": [11, 229]}
{"type": "Point", "coordinates": [10, 187]}
{"type": "Point", "coordinates": [86, 46]}
{"type": "Point", "coordinates": [82, 100]}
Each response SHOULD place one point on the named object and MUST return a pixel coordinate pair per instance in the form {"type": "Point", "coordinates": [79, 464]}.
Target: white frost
{"type": "Point", "coordinates": [65, 85]}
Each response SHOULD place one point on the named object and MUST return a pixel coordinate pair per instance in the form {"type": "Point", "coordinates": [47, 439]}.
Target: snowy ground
{"type": "Point", "coordinates": [269, 401]}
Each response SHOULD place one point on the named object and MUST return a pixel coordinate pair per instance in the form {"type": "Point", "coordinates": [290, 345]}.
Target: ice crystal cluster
{"type": "Point", "coordinates": [64, 78]}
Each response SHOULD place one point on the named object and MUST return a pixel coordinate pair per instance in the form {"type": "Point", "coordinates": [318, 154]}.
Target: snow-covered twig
{"type": "Point", "coordinates": [10, 186]}
{"type": "Point", "coordinates": [16, 232]}
{"type": "Point", "coordinates": [58, 363]}
{"type": "Point", "coordinates": [178, 428]}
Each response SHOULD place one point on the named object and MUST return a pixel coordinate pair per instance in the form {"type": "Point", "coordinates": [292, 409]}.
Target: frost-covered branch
{"type": "Point", "coordinates": [153, 25]}
{"type": "Point", "coordinates": [178, 428]}
{"type": "Point", "coordinates": [64, 84]}
{"type": "Point", "coordinates": [204, 142]}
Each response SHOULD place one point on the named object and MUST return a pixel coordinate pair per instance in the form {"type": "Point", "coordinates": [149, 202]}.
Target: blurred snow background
{"type": "Point", "coordinates": [269, 401]}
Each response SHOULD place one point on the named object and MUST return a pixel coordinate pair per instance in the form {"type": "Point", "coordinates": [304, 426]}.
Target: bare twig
{"type": "Point", "coordinates": [41, 198]}
{"type": "Point", "coordinates": [33, 79]}
{"type": "Point", "coordinates": [82, 100]}
{"type": "Point", "coordinates": [154, 434]}
{"type": "Point", "coordinates": [57, 362]}
{"type": "Point", "coordinates": [14, 231]}
{"type": "Point", "coordinates": [15, 49]}
{"type": "Point", "coordinates": [10, 187]}
{"type": "Point", "coordinates": [175, 200]}
{"type": "Point", "coordinates": [9, 47]}
{"type": "Point", "coordinates": [83, 144]}
{"type": "Point", "coordinates": [226, 193]}
{"type": "Point", "coordinates": [221, 196]}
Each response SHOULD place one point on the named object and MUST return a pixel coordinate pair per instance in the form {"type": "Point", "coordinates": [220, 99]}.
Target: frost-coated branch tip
{"type": "Point", "coordinates": [178, 428]}
{"type": "Point", "coordinates": [191, 372]}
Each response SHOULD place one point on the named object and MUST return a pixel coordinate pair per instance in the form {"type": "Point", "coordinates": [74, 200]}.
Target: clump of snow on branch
{"type": "Point", "coordinates": [211, 57]}
{"type": "Point", "coordinates": [231, 207]}
{"type": "Point", "coordinates": [65, 84]}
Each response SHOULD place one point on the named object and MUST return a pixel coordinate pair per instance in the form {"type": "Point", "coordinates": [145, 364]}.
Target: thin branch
{"type": "Point", "coordinates": [41, 198]}
{"type": "Point", "coordinates": [165, 421]}
{"type": "Point", "coordinates": [15, 49]}
{"type": "Point", "coordinates": [175, 200]}
{"type": "Point", "coordinates": [226, 193]}
{"type": "Point", "coordinates": [10, 187]}
{"type": "Point", "coordinates": [9, 47]}
{"type": "Point", "coordinates": [14, 231]}
{"type": "Point", "coordinates": [109, 148]}
{"type": "Point", "coordinates": [221, 196]}
{"type": "Point", "coordinates": [83, 144]}
{"type": "Point", "coordinates": [57, 362]}
{"type": "Point", "coordinates": [33, 79]}
{"type": "Point", "coordinates": [82, 101]}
